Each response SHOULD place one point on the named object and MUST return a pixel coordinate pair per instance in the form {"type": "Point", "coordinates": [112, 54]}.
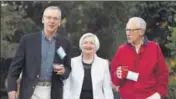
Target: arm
{"type": "Point", "coordinates": [114, 65]}
{"type": "Point", "coordinates": [67, 62]}
{"type": "Point", "coordinates": [161, 74]}
{"type": "Point", "coordinates": [16, 66]}
{"type": "Point", "coordinates": [107, 85]}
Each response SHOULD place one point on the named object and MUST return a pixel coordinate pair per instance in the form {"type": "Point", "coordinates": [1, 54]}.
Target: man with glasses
{"type": "Point", "coordinates": [138, 68]}
{"type": "Point", "coordinates": [44, 60]}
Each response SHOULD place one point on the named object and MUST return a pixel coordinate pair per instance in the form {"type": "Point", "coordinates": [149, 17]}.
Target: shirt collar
{"type": "Point", "coordinates": [145, 41]}
{"type": "Point", "coordinates": [53, 37]}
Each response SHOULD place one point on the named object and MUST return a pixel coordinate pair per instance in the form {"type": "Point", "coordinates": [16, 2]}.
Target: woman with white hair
{"type": "Point", "coordinates": [90, 76]}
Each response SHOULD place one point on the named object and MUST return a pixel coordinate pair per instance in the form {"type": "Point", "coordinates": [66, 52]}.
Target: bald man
{"type": "Point", "coordinates": [138, 68]}
{"type": "Point", "coordinates": [44, 60]}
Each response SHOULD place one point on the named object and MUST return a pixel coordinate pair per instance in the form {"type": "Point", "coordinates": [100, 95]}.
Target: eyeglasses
{"type": "Point", "coordinates": [133, 30]}
{"type": "Point", "coordinates": [54, 18]}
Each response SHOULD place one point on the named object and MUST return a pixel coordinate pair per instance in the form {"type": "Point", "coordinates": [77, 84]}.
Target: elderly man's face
{"type": "Point", "coordinates": [133, 32]}
{"type": "Point", "coordinates": [51, 20]}
{"type": "Point", "coordinates": [88, 45]}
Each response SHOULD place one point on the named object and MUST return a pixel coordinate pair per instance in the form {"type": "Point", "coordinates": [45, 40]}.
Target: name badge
{"type": "Point", "coordinates": [61, 52]}
{"type": "Point", "coordinates": [132, 75]}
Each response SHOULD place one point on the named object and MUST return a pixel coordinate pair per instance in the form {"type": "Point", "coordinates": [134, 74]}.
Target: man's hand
{"type": "Point", "coordinates": [155, 96]}
{"type": "Point", "coordinates": [121, 72]}
{"type": "Point", "coordinates": [12, 95]}
{"type": "Point", "coordinates": [59, 69]}
{"type": "Point", "coordinates": [115, 88]}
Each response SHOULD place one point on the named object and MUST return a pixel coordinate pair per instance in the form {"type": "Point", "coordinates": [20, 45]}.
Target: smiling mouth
{"type": "Point", "coordinates": [51, 26]}
{"type": "Point", "coordinates": [88, 48]}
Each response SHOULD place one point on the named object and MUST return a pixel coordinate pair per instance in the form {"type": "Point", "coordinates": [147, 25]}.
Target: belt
{"type": "Point", "coordinates": [44, 83]}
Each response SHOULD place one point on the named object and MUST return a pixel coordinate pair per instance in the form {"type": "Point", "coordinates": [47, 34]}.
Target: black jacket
{"type": "Point", "coordinates": [28, 61]}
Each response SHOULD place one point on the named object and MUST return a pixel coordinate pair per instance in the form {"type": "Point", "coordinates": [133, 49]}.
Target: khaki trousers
{"type": "Point", "coordinates": [41, 92]}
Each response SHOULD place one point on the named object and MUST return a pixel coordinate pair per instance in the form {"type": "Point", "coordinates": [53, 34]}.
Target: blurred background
{"type": "Point", "coordinates": [106, 19]}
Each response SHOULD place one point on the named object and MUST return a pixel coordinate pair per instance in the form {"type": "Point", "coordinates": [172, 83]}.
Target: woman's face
{"type": "Point", "coordinates": [88, 45]}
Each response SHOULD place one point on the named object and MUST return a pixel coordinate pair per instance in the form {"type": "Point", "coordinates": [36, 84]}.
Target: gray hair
{"type": "Point", "coordinates": [140, 23]}
{"type": "Point", "coordinates": [97, 42]}
{"type": "Point", "coordinates": [52, 8]}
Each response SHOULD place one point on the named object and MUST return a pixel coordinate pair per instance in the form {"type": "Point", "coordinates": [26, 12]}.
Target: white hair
{"type": "Point", "coordinates": [140, 23]}
{"type": "Point", "coordinates": [97, 42]}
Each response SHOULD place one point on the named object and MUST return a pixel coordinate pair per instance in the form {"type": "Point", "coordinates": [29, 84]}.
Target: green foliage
{"type": "Point", "coordinates": [171, 93]}
{"type": "Point", "coordinates": [159, 17]}
{"type": "Point", "coordinates": [105, 19]}
{"type": "Point", "coordinates": [12, 21]}
{"type": "Point", "coordinates": [172, 44]}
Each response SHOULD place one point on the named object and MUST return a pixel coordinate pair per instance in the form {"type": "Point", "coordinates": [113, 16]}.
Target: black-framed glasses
{"type": "Point", "coordinates": [132, 30]}
{"type": "Point", "coordinates": [54, 18]}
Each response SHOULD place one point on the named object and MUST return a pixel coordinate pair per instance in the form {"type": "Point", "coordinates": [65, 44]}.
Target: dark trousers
{"type": "Point", "coordinates": [116, 95]}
